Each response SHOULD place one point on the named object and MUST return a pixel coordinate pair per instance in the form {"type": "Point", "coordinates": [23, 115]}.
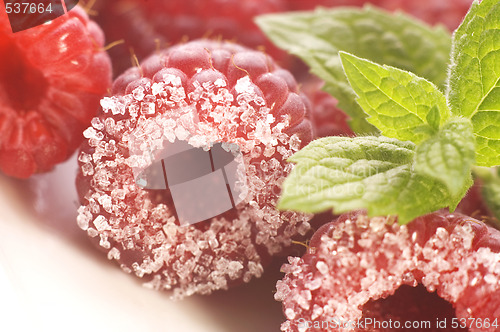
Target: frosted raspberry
{"type": "Point", "coordinates": [439, 266]}
{"type": "Point", "coordinates": [51, 79]}
{"type": "Point", "coordinates": [143, 24]}
{"type": "Point", "coordinates": [197, 93]}
{"type": "Point", "coordinates": [447, 12]}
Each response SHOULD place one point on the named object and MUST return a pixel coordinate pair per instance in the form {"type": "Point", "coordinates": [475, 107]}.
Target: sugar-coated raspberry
{"type": "Point", "coordinates": [199, 92]}
{"type": "Point", "coordinates": [52, 77]}
{"type": "Point", "coordinates": [447, 12]}
{"type": "Point", "coordinates": [440, 265]}
{"type": "Point", "coordinates": [145, 24]}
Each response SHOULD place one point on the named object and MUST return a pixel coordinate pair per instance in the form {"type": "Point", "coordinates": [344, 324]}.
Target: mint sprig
{"type": "Point", "coordinates": [432, 142]}
{"type": "Point", "coordinates": [396, 40]}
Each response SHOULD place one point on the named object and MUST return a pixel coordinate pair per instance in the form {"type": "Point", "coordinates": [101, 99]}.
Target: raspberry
{"type": "Point", "coordinates": [196, 93]}
{"type": "Point", "coordinates": [474, 205]}
{"type": "Point", "coordinates": [52, 77]}
{"type": "Point", "coordinates": [327, 118]}
{"type": "Point", "coordinates": [359, 267]}
{"type": "Point", "coordinates": [142, 24]}
{"type": "Point", "coordinates": [447, 12]}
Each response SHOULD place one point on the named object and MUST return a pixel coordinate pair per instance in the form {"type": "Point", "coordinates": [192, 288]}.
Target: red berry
{"type": "Point", "coordinates": [200, 92]}
{"type": "Point", "coordinates": [447, 12]}
{"type": "Point", "coordinates": [51, 79]}
{"type": "Point", "coordinates": [145, 24]}
{"type": "Point", "coordinates": [327, 118]}
{"type": "Point", "coordinates": [474, 205]}
{"type": "Point", "coordinates": [359, 267]}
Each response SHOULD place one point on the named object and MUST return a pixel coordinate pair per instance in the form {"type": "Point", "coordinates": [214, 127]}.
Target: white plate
{"type": "Point", "coordinates": [53, 279]}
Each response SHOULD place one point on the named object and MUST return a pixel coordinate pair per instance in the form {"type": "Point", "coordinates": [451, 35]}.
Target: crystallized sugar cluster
{"type": "Point", "coordinates": [212, 99]}
{"type": "Point", "coordinates": [356, 260]}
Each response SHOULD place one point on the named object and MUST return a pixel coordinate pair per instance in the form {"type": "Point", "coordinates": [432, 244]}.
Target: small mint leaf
{"type": "Point", "coordinates": [373, 173]}
{"type": "Point", "coordinates": [449, 157]}
{"type": "Point", "coordinates": [474, 78]}
{"type": "Point", "coordinates": [433, 118]}
{"type": "Point", "coordinates": [399, 103]}
{"type": "Point", "coordinates": [393, 39]}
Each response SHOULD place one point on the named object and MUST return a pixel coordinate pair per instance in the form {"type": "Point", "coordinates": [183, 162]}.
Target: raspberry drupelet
{"type": "Point", "coordinates": [197, 93]}
{"type": "Point", "coordinates": [361, 269]}
{"type": "Point", "coordinates": [52, 77]}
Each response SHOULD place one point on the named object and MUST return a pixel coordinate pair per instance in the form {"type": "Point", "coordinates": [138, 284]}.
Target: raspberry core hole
{"type": "Point", "coordinates": [22, 84]}
{"type": "Point", "coordinates": [411, 304]}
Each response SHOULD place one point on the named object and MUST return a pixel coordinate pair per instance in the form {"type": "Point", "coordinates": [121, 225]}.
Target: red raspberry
{"type": "Point", "coordinates": [474, 205]}
{"type": "Point", "coordinates": [142, 24]}
{"type": "Point", "coordinates": [327, 118]}
{"type": "Point", "coordinates": [359, 267]}
{"type": "Point", "coordinates": [200, 92]}
{"type": "Point", "coordinates": [52, 77]}
{"type": "Point", "coordinates": [447, 12]}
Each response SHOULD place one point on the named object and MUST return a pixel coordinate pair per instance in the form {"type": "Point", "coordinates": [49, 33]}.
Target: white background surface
{"type": "Point", "coordinates": [53, 279]}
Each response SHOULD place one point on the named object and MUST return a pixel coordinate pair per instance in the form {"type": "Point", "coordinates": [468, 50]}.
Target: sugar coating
{"type": "Point", "coordinates": [145, 237]}
{"type": "Point", "coordinates": [361, 259]}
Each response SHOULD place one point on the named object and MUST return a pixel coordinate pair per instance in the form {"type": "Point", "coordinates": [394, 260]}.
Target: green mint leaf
{"type": "Point", "coordinates": [373, 173]}
{"type": "Point", "coordinates": [449, 157]}
{"type": "Point", "coordinates": [393, 39]}
{"type": "Point", "coordinates": [399, 103]}
{"type": "Point", "coordinates": [474, 78]}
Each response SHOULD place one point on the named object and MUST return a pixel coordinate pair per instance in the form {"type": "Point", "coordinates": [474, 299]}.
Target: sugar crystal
{"type": "Point", "coordinates": [138, 93]}
{"type": "Point", "coordinates": [101, 223]}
